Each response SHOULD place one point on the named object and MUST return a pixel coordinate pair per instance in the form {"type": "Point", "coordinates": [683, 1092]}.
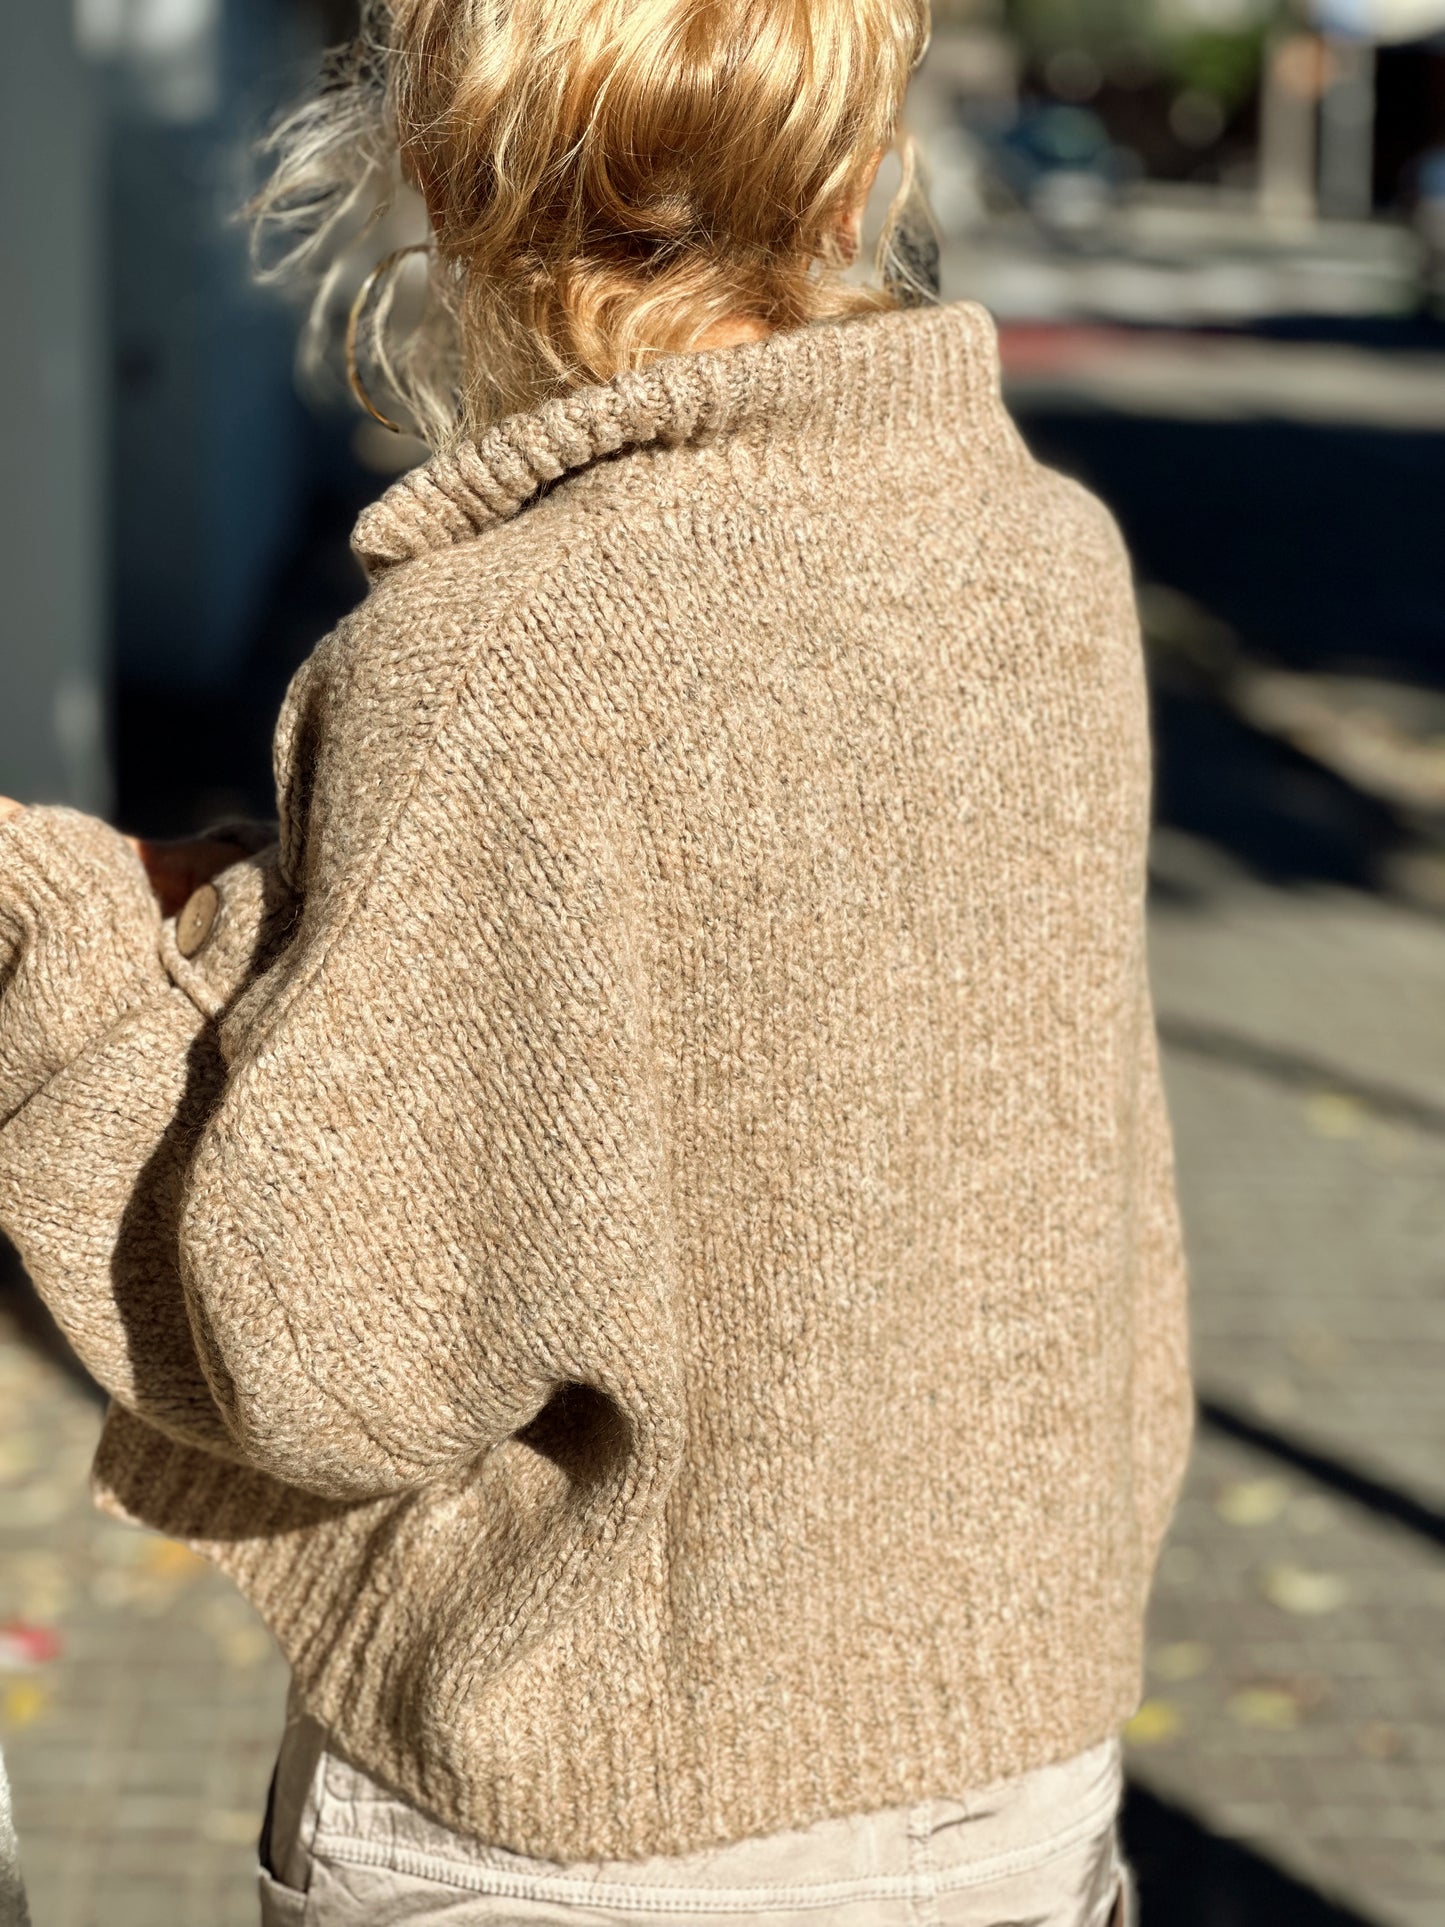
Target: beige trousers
{"type": "Point", "coordinates": [1041, 1851]}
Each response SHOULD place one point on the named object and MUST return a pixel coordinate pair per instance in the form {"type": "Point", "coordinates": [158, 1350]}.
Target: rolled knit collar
{"type": "Point", "coordinates": [913, 370]}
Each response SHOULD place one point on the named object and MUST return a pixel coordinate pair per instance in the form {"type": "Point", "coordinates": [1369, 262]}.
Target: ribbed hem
{"type": "Point", "coordinates": [658, 1766]}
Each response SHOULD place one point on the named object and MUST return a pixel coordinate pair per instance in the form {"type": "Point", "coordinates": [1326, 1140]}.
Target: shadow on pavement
{"type": "Point", "coordinates": [1317, 546]}
{"type": "Point", "coordinates": [1269, 806]}
{"type": "Point", "coordinates": [1334, 1474]}
{"type": "Point", "coordinates": [1298, 1070]}
{"type": "Point", "coordinates": [1190, 1877]}
{"type": "Point", "coordinates": [1317, 542]}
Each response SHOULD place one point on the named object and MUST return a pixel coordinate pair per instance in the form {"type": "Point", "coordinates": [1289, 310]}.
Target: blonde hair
{"type": "Point", "coordinates": [603, 181]}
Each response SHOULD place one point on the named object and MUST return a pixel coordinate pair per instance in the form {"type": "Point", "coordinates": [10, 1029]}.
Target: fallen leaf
{"type": "Point", "coordinates": [1184, 1659]}
{"type": "Point", "coordinates": [1334, 1114]}
{"type": "Point", "coordinates": [1295, 1589]}
{"type": "Point", "coordinates": [1156, 1721]}
{"type": "Point", "coordinates": [168, 1559]}
{"type": "Point", "coordinates": [24, 1647]}
{"type": "Point", "coordinates": [22, 1703]}
{"type": "Point", "coordinates": [1252, 1502]}
{"type": "Point", "coordinates": [1267, 1706]}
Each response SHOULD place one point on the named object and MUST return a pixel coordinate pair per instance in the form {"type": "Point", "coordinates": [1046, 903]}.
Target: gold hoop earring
{"type": "Point", "coordinates": [353, 366]}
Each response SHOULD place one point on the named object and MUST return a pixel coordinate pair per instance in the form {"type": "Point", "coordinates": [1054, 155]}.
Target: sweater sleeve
{"type": "Point", "coordinates": [78, 942]}
{"type": "Point", "coordinates": [107, 1068]}
{"type": "Point", "coordinates": [425, 1216]}
{"type": "Point", "coordinates": [358, 1206]}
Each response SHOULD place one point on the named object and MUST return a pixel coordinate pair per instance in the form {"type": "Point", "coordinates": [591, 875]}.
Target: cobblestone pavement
{"type": "Point", "coordinates": [1297, 1678]}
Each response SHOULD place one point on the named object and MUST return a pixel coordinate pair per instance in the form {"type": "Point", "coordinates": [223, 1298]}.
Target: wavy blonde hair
{"type": "Point", "coordinates": [603, 181]}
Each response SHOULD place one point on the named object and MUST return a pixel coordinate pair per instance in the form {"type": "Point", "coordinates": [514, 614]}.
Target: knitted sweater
{"type": "Point", "coordinates": [640, 1229]}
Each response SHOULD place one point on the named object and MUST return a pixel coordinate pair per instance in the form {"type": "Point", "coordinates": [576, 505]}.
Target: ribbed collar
{"type": "Point", "coordinates": [913, 370]}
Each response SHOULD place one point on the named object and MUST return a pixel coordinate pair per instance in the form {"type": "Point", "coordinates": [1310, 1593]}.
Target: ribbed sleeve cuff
{"type": "Point", "coordinates": [79, 931]}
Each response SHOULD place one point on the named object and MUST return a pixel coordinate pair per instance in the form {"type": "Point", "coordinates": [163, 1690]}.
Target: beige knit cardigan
{"type": "Point", "coordinates": [639, 1227]}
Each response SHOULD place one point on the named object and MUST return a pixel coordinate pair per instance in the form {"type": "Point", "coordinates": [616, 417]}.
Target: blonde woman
{"type": "Point", "coordinates": [636, 1220]}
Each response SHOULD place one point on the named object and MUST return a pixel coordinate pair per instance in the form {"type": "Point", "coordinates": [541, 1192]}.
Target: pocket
{"type": "Point", "coordinates": [280, 1906]}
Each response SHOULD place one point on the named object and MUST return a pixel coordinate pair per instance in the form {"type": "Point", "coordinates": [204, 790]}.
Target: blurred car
{"type": "Point", "coordinates": [1053, 158]}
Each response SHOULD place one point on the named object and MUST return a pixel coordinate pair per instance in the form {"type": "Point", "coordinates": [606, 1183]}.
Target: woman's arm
{"type": "Point", "coordinates": [430, 1194]}
{"type": "Point", "coordinates": [78, 942]}
{"type": "Point", "coordinates": [357, 1218]}
{"type": "Point", "coordinates": [106, 1072]}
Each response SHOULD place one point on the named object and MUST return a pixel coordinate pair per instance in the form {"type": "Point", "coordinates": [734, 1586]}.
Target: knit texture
{"type": "Point", "coordinates": [644, 1239]}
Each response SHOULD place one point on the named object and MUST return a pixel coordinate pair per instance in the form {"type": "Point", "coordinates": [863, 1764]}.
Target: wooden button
{"type": "Point", "coordinates": [194, 923]}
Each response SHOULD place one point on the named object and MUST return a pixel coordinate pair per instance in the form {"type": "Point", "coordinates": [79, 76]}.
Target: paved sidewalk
{"type": "Point", "coordinates": [140, 1699]}
{"type": "Point", "coordinates": [1297, 1693]}
{"type": "Point", "coordinates": [1297, 1677]}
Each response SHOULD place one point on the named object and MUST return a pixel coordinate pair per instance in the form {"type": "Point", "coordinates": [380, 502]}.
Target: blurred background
{"type": "Point", "coordinates": [1213, 234]}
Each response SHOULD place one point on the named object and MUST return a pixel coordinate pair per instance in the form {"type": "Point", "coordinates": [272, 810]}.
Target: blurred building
{"type": "Point", "coordinates": [207, 431]}
{"type": "Point", "coordinates": [1307, 108]}
{"type": "Point", "coordinates": [53, 342]}
{"type": "Point", "coordinates": [160, 470]}
{"type": "Point", "coordinates": [156, 452]}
